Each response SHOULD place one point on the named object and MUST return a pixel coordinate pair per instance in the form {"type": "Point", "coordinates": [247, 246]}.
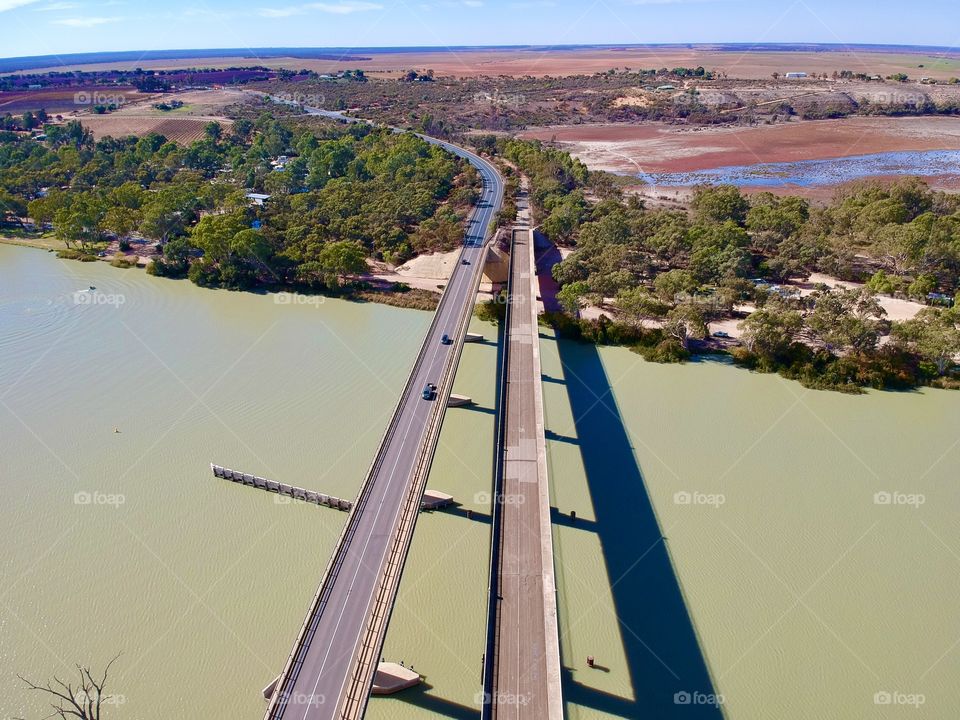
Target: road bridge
{"type": "Point", "coordinates": [330, 670]}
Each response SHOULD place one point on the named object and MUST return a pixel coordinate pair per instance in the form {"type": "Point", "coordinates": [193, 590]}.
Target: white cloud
{"type": "Point", "coordinates": [86, 22]}
{"type": "Point", "coordinates": [12, 4]}
{"type": "Point", "coordinates": [58, 6]}
{"type": "Point", "coordinates": [281, 12]}
{"type": "Point", "coordinates": [345, 7]}
{"type": "Point", "coordinates": [473, 3]}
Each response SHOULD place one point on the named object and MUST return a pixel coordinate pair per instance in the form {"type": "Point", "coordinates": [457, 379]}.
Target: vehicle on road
{"type": "Point", "coordinates": [721, 334]}
{"type": "Point", "coordinates": [445, 340]}
{"type": "Point", "coordinates": [430, 391]}
{"type": "Point", "coordinates": [464, 262]}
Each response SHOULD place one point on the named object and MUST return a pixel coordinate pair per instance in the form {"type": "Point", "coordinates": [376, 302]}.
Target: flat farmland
{"type": "Point", "coordinates": [57, 100]}
{"type": "Point", "coordinates": [182, 125]}
{"type": "Point", "coordinates": [539, 62]}
{"type": "Point", "coordinates": [182, 130]}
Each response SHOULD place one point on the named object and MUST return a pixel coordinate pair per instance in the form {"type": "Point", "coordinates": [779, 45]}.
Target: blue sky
{"type": "Point", "coordinates": [44, 27]}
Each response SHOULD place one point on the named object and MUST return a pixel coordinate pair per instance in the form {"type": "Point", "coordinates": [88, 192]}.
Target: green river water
{"type": "Point", "coordinates": [782, 585]}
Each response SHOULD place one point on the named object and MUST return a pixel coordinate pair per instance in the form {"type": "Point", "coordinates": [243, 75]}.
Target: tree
{"type": "Point", "coordinates": [637, 304]}
{"type": "Point", "coordinates": [335, 261]}
{"type": "Point", "coordinates": [213, 130]}
{"type": "Point", "coordinates": [772, 220]}
{"type": "Point", "coordinates": [215, 234]}
{"type": "Point", "coordinates": [120, 221]}
{"type": "Point", "coordinates": [846, 319]}
{"type": "Point", "coordinates": [686, 321]}
{"type": "Point", "coordinates": [922, 286]}
{"type": "Point", "coordinates": [79, 223]}
{"type": "Point", "coordinates": [771, 330]}
{"type": "Point", "coordinates": [83, 700]}
{"type": "Point", "coordinates": [242, 128]}
{"type": "Point", "coordinates": [571, 296]}
{"type": "Point", "coordinates": [719, 204]}
{"type": "Point", "coordinates": [670, 285]}
{"type": "Point", "coordinates": [933, 335]}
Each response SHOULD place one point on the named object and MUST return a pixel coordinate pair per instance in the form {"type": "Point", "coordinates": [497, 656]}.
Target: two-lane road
{"type": "Point", "coordinates": [325, 659]}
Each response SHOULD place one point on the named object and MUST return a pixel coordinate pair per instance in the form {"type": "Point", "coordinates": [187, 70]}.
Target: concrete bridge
{"type": "Point", "coordinates": [521, 675]}
{"type": "Point", "coordinates": [330, 670]}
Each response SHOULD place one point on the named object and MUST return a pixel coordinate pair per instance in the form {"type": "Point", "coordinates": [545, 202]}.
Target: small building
{"type": "Point", "coordinates": [795, 75]}
{"type": "Point", "coordinates": [665, 88]}
{"type": "Point", "coordinates": [257, 198]}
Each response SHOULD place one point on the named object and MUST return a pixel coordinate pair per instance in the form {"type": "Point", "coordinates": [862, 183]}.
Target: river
{"type": "Point", "coordinates": [786, 584]}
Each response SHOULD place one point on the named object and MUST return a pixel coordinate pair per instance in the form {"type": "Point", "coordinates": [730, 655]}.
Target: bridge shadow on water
{"type": "Point", "coordinates": [666, 663]}
{"type": "Point", "coordinates": [421, 697]}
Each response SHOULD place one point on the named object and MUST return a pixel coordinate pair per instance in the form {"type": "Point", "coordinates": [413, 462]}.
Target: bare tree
{"type": "Point", "coordinates": [82, 701]}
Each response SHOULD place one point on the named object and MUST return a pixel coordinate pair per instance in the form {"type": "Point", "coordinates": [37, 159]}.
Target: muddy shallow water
{"type": "Point", "coordinates": [806, 173]}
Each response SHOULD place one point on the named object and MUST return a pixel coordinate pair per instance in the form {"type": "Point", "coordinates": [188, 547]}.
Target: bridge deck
{"type": "Point", "coordinates": [330, 671]}
{"type": "Point", "coordinates": [525, 679]}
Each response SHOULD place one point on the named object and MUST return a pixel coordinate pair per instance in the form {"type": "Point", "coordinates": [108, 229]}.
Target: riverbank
{"type": "Point", "coordinates": [40, 242]}
{"type": "Point", "coordinates": [409, 291]}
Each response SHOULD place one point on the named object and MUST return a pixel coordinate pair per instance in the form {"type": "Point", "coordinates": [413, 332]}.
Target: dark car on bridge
{"type": "Point", "coordinates": [445, 340]}
{"type": "Point", "coordinates": [429, 391]}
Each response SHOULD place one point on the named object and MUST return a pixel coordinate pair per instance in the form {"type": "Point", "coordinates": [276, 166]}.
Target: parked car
{"type": "Point", "coordinates": [721, 334]}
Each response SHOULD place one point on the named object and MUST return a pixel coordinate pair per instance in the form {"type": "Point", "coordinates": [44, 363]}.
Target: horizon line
{"type": "Point", "coordinates": [290, 51]}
